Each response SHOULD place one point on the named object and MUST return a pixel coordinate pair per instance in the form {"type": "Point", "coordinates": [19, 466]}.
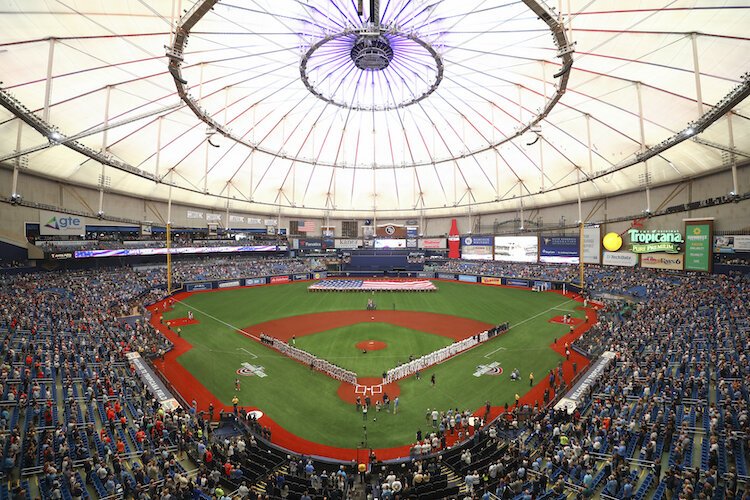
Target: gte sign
{"type": "Point", "coordinates": [55, 223]}
{"type": "Point", "coordinates": [655, 241]}
{"type": "Point", "coordinates": [64, 223]}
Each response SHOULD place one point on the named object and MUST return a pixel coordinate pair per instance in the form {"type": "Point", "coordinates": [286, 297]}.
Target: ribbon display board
{"type": "Point", "coordinates": [699, 245]}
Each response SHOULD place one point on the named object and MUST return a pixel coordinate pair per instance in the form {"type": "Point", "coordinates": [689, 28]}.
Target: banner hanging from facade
{"type": "Point", "coordinates": [623, 259]}
{"type": "Point", "coordinates": [433, 243]}
{"type": "Point", "coordinates": [60, 224]}
{"type": "Point", "coordinates": [732, 243]}
{"type": "Point", "coordinates": [559, 249]}
{"type": "Point", "coordinates": [154, 383]}
{"type": "Point", "coordinates": [592, 250]}
{"type": "Point", "coordinates": [663, 260]}
{"type": "Point", "coordinates": [699, 245]}
{"type": "Point", "coordinates": [476, 247]}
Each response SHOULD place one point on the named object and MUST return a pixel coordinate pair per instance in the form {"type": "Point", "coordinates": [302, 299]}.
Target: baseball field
{"type": "Point", "coordinates": [221, 345]}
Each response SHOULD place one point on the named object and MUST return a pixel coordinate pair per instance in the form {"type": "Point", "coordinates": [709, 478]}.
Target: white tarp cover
{"type": "Point", "coordinates": [667, 61]}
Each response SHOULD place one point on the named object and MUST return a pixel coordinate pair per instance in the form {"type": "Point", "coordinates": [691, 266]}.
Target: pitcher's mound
{"type": "Point", "coordinates": [371, 345]}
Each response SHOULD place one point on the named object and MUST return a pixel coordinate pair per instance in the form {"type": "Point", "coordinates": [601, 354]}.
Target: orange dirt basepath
{"type": "Point", "coordinates": [370, 345]}
{"type": "Point", "coordinates": [438, 324]}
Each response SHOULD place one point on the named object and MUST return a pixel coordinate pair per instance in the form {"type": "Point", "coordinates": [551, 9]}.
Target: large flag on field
{"type": "Point", "coordinates": [333, 284]}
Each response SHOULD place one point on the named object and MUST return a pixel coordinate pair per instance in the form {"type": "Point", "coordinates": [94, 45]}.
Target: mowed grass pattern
{"type": "Point", "coordinates": [338, 346]}
{"type": "Point", "coordinates": [306, 403]}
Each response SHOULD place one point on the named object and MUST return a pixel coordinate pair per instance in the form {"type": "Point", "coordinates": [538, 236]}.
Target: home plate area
{"type": "Point", "coordinates": [371, 389]}
{"type": "Point", "coordinates": [367, 386]}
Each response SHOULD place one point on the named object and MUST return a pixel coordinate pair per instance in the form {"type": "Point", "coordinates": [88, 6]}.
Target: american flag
{"type": "Point", "coordinates": [397, 285]}
{"type": "Point", "coordinates": [348, 284]}
{"type": "Point", "coordinates": [305, 226]}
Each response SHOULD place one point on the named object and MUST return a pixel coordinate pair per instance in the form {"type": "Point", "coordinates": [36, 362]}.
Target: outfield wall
{"type": "Point", "coordinates": [197, 286]}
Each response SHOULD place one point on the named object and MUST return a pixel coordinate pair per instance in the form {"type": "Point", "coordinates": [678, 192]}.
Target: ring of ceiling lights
{"type": "Point", "coordinates": [46, 129]}
{"type": "Point", "coordinates": [377, 52]}
{"type": "Point", "coordinates": [202, 7]}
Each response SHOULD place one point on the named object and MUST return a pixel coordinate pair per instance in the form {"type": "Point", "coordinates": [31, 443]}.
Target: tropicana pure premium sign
{"type": "Point", "coordinates": [657, 240]}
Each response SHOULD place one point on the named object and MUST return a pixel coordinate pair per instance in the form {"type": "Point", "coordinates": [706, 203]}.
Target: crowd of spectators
{"type": "Point", "coordinates": [559, 272]}
{"type": "Point", "coordinates": [677, 393]}
{"type": "Point", "coordinates": [73, 411]}
{"type": "Point", "coordinates": [75, 415]}
{"type": "Point", "coordinates": [117, 241]}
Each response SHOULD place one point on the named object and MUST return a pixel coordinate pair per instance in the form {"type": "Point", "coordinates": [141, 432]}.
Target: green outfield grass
{"type": "Point", "coordinates": [306, 402]}
{"type": "Point", "coordinates": [338, 346]}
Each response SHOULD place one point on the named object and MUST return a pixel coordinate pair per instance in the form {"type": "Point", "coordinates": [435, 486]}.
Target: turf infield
{"type": "Point", "coordinates": [339, 346]}
{"type": "Point", "coordinates": [306, 403]}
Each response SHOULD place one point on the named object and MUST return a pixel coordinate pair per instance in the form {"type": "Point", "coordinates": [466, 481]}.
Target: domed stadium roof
{"type": "Point", "coordinates": [306, 106]}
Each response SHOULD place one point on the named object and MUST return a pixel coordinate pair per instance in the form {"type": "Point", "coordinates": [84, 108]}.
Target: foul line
{"type": "Point", "coordinates": [529, 319]}
{"type": "Point", "coordinates": [493, 352]}
{"type": "Point", "coordinates": [251, 354]}
{"type": "Point", "coordinates": [563, 309]}
{"type": "Point", "coordinates": [221, 321]}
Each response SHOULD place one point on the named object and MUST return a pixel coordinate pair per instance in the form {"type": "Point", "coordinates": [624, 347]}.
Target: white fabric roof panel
{"type": "Point", "coordinates": [364, 145]}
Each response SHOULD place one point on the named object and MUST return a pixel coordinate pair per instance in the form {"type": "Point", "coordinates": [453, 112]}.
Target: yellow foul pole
{"type": "Point", "coordinates": [580, 254]}
{"type": "Point", "coordinates": [169, 258]}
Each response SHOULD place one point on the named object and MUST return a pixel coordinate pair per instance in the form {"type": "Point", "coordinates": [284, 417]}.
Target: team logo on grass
{"type": "Point", "coordinates": [491, 369]}
{"type": "Point", "coordinates": [249, 370]}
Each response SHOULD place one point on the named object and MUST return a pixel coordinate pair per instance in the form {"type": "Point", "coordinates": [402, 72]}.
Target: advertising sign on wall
{"type": "Point", "coordinates": [390, 231]}
{"type": "Point", "coordinates": [390, 243]}
{"type": "Point", "coordinates": [128, 252]}
{"type": "Point", "coordinates": [656, 240]}
{"type": "Point", "coordinates": [663, 260]}
{"type": "Point", "coordinates": [476, 247]}
{"type": "Point", "coordinates": [467, 278]}
{"type": "Point", "coordinates": [154, 383]}
{"type": "Point", "coordinates": [56, 223]}
{"type": "Point", "coordinates": [446, 276]}
{"type": "Point", "coordinates": [698, 245]}
{"type": "Point", "coordinates": [453, 241]}
{"type": "Point", "coordinates": [624, 259]}
{"type": "Point", "coordinates": [279, 279]}
{"type": "Point", "coordinates": [491, 280]}
{"type": "Point", "coordinates": [559, 249]}
{"type": "Point", "coordinates": [515, 282]}
{"type": "Point", "coordinates": [310, 244]}
{"type": "Point", "coordinates": [732, 243]}
{"type": "Point", "coordinates": [255, 281]}
{"type": "Point", "coordinates": [190, 287]}
{"type": "Point", "coordinates": [229, 284]}
{"type": "Point", "coordinates": [433, 243]}
{"type": "Point", "coordinates": [61, 255]}
{"type": "Point", "coordinates": [576, 394]}
{"type": "Point", "coordinates": [348, 244]}
{"type": "Point", "coordinates": [591, 247]}
{"type": "Point", "coordinates": [516, 248]}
